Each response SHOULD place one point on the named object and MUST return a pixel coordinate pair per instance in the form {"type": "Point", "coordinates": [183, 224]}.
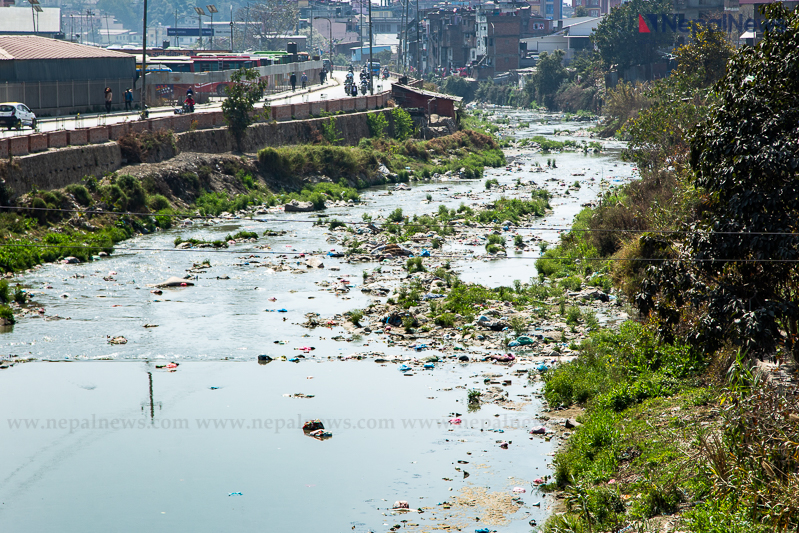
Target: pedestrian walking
{"type": "Point", "coordinates": [109, 97]}
{"type": "Point", "coordinates": [304, 80]}
{"type": "Point", "coordinates": [128, 100]}
{"type": "Point", "coordinates": [322, 75]}
{"type": "Point", "coordinates": [293, 81]}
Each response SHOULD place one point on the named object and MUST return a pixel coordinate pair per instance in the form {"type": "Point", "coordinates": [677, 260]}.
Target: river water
{"type": "Point", "coordinates": [100, 437]}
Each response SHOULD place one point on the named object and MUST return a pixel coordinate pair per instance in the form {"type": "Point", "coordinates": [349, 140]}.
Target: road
{"type": "Point", "coordinates": [334, 88]}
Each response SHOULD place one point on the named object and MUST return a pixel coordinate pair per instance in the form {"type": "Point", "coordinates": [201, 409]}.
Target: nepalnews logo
{"type": "Point", "coordinates": [653, 23]}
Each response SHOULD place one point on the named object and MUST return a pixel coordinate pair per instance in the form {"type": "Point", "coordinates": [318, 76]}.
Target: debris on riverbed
{"type": "Point", "coordinates": [117, 340]}
{"type": "Point", "coordinates": [173, 281]}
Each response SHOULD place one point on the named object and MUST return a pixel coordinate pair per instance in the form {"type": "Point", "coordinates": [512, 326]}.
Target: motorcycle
{"type": "Point", "coordinates": [184, 109]}
{"type": "Point", "coordinates": [348, 85]}
{"type": "Point", "coordinates": [364, 86]}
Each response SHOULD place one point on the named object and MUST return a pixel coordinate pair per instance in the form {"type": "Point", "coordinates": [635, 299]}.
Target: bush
{"type": "Point", "coordinates": [19, 295]}
{"type": "Point", "coordinates": [403, 124]}
{"type": "Point", "coordinates": [377, 123]}
{"type": "Point", "coordinates": [7, 313]}
{"type": "Point", "coordinates": [492, 183]}
{"type": "Point", "coordinates": [414, 264]}
{"type": "Point", "coordinates": [355, 317]}
{"type": "Point", "coordinates": [4, 291]}
{"type": "Point", "coordinates": [80, 193]}
{"type": "Point", "coordinates": [157, 202]}
{"type": "Point", "coordinates": [445, 320]}
{"type": "Point", "coordinates": [396, 215]}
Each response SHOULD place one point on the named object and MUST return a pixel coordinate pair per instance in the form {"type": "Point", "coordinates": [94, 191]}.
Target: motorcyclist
{"type": "Point", "coordinates": [188, 103]}
{"type": "Point", "coordinates": [385, 73]}
{"type": "Point", "coordinates": [354, 90]}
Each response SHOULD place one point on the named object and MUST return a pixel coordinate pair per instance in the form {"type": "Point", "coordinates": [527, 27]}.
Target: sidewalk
{"type": "Point", "coordinates": [333, 88]}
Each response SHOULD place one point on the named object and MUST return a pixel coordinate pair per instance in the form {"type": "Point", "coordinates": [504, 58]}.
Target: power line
{"type": "Point", "coordinates": [320, 222]}
{"type": "Point", "coordinates": [437, 256]}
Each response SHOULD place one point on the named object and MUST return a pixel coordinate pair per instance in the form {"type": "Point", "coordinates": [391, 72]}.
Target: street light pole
{"type": "Point", "coordinates": [371, 60]}
{"type": "Point", "coordinates": [144, 64]}
{"type": "Point", "coordinates": [418, 42]}
{"type": "Point", "coordinates": [330, 25]}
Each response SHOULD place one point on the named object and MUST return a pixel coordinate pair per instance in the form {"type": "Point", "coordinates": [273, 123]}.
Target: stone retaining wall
{"type": "Point", "coordinates": [54, 169]}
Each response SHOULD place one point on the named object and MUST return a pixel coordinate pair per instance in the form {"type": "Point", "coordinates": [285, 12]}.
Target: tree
{"type": "Point", "coordinates": [246, 89]}
{"type": "Point", "coordinates": [549, 75]}
{"type": "Point", "coordinates": [580, 11]}
{"type": "Point", "coordinates": [703, 60]}
{"type": "Point", "coordinates": [738, 277]}
{"type": "Point", "coordinates": [620, 43]}
{"type": "Point", "coordinates": [266, 22]}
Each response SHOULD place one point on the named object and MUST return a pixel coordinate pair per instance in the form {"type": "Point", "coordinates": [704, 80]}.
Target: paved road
{"type": "Point", "coordinates": [334, 88]}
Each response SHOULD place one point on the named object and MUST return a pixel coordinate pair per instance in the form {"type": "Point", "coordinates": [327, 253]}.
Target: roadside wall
{"type": "Point", "coordinates": [58, 168]}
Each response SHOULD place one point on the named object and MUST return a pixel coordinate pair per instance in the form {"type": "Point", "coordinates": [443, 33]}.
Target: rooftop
{"type": "Point", "coordinates": [33, 47]}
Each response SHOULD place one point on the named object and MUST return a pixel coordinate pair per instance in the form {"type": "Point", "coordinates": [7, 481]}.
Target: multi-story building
{"type": "Point", "coordinates": [497, 39]}
{"type": "Point", "coordinates": [451, 41]}
{"type": "Point", "coordinates": [596, 8]}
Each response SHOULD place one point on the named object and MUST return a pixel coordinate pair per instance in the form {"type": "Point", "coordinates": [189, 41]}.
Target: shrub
{"type": "Point", "coordinates": [157, 202]}
{"type": "Point", "coordinates": [414, 264]}
{"type": "Point", "coordinates": [377, 123]}
{"type": "Point", "coordinates": [396, 215]}
{"type": "Point", "coordinates": [7, 313]}
{"type": "Point", "coordinates": [355, 317]}
{"type": "Point", "coordinates": [19, 295]}
{"type": "Point", "coordinates": [403, 124]}
{"type": "Point", "coordinates": [518, 241]}
{"type": "Point", "coordinates": [80, 193]}
{"type": "Point", "coordinates": [445, 320]}
{"type": "Point", "coordinates": [4, 292]}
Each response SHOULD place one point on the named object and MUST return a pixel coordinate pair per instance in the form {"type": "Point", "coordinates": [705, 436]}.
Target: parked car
{"type": "Point", "coordinates": [16, 115]}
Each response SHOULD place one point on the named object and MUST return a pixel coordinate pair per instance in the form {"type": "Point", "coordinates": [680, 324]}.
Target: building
{"type": "Point", "coordinates": [60, 77]}
{"type": "Point", "coordinates": [596, 8]}
{"type": "Point", "coordinates": [574, 36]}
{"type": "Point", "coordinates": [429, 103]}
{"type": "Point", "coordinates": [497, 40]}
{"type": "Point", "coordinates": [451, 38]}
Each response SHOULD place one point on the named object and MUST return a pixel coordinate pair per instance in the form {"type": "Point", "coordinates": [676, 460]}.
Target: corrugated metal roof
{"type": "Point", "coordinates": [32, 47]}
{"type": "Point", "coordinates": [427, 93]}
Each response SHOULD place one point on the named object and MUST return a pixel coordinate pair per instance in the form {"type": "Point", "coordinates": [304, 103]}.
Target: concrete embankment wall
{"type": "Point", "coordinates": [54, 169]}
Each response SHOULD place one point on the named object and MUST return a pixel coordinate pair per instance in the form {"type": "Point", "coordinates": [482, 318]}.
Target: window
{"type": "Point", "coordinates": [491, 41]}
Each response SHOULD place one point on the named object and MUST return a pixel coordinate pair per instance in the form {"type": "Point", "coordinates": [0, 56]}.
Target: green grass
{"type": "Point", "coordinates": [241, 235]}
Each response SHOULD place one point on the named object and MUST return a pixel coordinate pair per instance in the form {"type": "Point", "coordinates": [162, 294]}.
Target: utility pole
{"type": "Point", "coordinates": [418, 42]}
{"type": "Point", "coordinates": [231, 28]}
{"type": "Point", "coordinates": [371, 63]}
{"type": "Point", "coordinates": [144, 64]}
{"type": "Point", "coordinates": [177, 39]}
{"type": "Point", "coordinates": [310, 20]}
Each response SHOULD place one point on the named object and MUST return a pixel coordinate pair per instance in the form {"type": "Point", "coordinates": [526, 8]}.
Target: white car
{"type": "Point", "coordinates": [16, 115]}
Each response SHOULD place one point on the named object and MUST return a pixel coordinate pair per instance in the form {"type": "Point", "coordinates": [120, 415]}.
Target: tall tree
{"type": "Point", "coordinates": [549, 76]}
{"type": "Point", "coordinates": [238, 108]}
{"type": "Point", "coordinates": [266, 21]}
{"type": "Point", "coordinates": [738, 277]}
{"type": "Point", "coordinates": [619, 40]}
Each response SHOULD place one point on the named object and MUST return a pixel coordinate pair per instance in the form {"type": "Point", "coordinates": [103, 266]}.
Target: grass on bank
{"type": "Point", "coordinates": [465, 149]}
{"type": "Point", "coordinates": [663, 434]}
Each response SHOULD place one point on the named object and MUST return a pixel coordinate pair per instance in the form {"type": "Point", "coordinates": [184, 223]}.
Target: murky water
{"type": "Point", "coordinates": [162, 478]}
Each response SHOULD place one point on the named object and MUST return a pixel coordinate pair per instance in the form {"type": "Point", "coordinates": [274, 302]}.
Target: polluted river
{"type": "Point", "coordinates": [143, 408]}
